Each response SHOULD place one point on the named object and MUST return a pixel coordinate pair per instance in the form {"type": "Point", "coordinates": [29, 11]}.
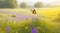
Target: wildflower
{"type": "Point", "coordinates": [8, 29]}
{"type": "Point", "coordinates": [34, 30]}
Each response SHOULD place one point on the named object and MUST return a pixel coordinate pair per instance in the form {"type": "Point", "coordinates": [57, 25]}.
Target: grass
{"type": "Point", "coordinates": [24, 23]}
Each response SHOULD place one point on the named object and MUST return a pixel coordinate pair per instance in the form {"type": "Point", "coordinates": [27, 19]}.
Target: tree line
{"type": "Point", "coordinates": [14, 4]}
{"type": "Point", "coordinates": [36, 5]}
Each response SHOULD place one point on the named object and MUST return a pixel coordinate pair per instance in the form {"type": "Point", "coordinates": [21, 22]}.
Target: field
{"type": "Point", "coordinates": [47, 20]}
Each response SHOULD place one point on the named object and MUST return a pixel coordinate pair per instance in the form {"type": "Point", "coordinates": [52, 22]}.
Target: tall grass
{"type": "Point", "coordinates": [27, 26]}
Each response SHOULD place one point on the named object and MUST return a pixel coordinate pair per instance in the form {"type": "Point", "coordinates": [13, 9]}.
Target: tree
{"type": "Point", "coordinates": [8, 3]}
{"type": "Point", "coordinates": [38, 5]}
{"type": "Point", "coordinates": [1, 3]}
{"type": "Point", "coordinates": [23, 5]}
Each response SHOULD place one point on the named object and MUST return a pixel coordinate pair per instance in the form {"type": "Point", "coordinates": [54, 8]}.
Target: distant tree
{"type": "Point", "coordinates": [1, 3]}
{"type": "Point", "coordinates": [23, 5]}
{"type": "Point", "coordinates": [8, 3]}
{"type": "Point", "coordinates": [38, 5]}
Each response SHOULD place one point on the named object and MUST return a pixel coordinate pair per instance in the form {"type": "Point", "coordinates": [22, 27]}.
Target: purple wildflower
{"type": "Point", "coordinates": [34, 30]}
{"type": "Point", "coordinates": [8, 29]}
{"type": "Point", "coordinates": [26, 17]}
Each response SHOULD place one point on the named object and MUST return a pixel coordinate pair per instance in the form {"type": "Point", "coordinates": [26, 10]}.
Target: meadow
{"type": "Point", "coordinates": [24, 21]}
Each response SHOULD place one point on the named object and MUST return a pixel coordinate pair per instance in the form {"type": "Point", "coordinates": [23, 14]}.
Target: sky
{"type": "Point", "coordinates": [34, 1]}
{"type": "Point", "coordinates": [45, 1]}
